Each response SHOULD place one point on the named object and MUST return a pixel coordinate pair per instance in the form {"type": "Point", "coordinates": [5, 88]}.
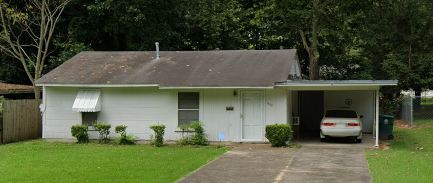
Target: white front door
{"type": "Point", "coordinates": [252, 116]}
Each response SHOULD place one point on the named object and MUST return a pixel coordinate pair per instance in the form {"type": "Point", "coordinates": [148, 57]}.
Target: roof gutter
{"type": "Point", "coordinates": [339, 83]}
{"type": "Point", "coordinates": [216, 87]}
{"type": "Point", "coordinates": [100, 85]}
{"type": "Point", "coordinates": [155, 85]}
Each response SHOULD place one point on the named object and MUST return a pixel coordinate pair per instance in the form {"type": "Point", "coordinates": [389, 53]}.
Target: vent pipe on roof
{"type": "Point", "coordinates": [157, 50]}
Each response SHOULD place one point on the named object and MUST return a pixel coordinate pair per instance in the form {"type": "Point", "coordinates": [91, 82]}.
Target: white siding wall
{"type": "Point", "coordinates": [139, 108]}
{"type": "Point", "coordinates": [276, 106]}
{"type": "Point", "coordinates": [58, 116]}
{"type": "Point", "coordinates": [362, 102]}
{"type": "Point", "coordinates": [217, 119]}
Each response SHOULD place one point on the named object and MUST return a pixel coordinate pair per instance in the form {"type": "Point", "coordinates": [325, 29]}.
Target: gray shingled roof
{"type": "Point", "coordinates": [176, 68]}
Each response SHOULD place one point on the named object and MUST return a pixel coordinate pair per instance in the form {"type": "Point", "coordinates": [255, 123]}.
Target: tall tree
{"type": "Point", "coordinates": [26, 33]}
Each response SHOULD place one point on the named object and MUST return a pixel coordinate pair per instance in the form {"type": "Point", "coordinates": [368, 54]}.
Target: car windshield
{"type": "Point", "coordinates": [341, 114]}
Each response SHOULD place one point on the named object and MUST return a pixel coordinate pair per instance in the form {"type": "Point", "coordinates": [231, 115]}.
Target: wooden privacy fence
{"type": "Point", "coordinates": [22, 120]}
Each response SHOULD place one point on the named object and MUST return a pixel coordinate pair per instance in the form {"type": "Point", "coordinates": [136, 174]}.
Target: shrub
{"type": "Point", "coordinates": [104, 132]}
{"type": "Point", "coordinates": [278, 134]}
{"type": "Point", "coordinates": [199, 137]}
{"type": "Point", "coordinates": [183, 141]}
{"type": "Point", "coordinates": [159, 134]}
{"type": "Point", "coordinates": [123, 139]}
{"type": "Point", "coordinates": [80, 132]}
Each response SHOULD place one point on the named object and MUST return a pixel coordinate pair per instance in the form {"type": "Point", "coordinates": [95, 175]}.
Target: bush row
{"type": "Point", "coordinates": [198, 138]}
{"type": "Point", "coordinates": [81, 133]}
{"type": "Point", "coordinates": [277, 134]}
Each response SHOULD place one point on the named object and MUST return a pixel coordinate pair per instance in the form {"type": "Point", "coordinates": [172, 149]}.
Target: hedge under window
{"type": "Point", "coordinates": [188, 107]}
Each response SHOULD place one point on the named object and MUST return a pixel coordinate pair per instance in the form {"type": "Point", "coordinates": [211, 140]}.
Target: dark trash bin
{"type": "Point", "coordinates": [386, 123]}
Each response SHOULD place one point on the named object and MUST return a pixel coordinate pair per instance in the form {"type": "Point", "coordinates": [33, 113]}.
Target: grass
{"type": "Point", "coordinates": [39, 161]}
{"type": "Point", "coordinates": [426, 101]}
{"type": "Point", "coordinates": [409, 159]}
{"type": "Point", "coordinates": [423, 122]}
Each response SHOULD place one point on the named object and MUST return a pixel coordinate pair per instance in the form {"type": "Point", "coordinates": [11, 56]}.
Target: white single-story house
{"type": "Point", "coordinates": [236, 92]}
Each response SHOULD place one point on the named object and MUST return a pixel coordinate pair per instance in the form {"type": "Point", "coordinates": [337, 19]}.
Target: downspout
{"type": "Point", "coordinates": [44, 107]}
{"type": "Point", "coordinates": [377, 119]}
{"type": "Point", "coordinates": [157, 50]}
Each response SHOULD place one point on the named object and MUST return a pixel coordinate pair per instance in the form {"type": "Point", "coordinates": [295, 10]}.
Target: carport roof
{"type": "Point", "coordinates": [338, 83]}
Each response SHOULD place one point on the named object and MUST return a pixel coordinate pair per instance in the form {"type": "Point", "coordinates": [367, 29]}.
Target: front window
{"type": "Point", "coordinates": [88, 118]}
{"type": "Point", "coordinates": [341, 114]}
{"type": "Point", "coordinates": [188, 107]}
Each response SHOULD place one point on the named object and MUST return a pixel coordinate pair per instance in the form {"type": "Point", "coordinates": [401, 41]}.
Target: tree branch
{"type": "Point", "coordinates": [301, 33]}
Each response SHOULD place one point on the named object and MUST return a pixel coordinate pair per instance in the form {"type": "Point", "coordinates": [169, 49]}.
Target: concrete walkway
{"type": "Point", "coordinates": [260, 163]}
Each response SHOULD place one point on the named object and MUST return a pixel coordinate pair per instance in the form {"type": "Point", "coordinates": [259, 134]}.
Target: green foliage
{"type": "Point", "coordinates": [184, 127]}
{"type": "Point", "coordinates": [120, 129]}
{"type": "Point", "coordinates": [159, 134]}
{"type": "Point", "coordinates": [199, 137]}
{"type": "Point", "coordinates": [183, 141]}
{"type": "Point", "coordinates": [80, 132]}
{"type": "Point", "coordinates": [278, 134]}
{"type": "Point", "coordinates": [104, 132]}
{"type": "Point", "coordinates": [124, 139]}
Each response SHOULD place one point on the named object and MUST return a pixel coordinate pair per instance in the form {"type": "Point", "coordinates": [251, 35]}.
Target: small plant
{"type": "Point", "coordinates": [159, 134]}
{"type": "Point", "coordinates": [199, 137]}
{"type": "Point", "coordinates": [123, 139]}
{"type": "Point", "coordinates": [278, 134]}
{"type": "Point", "coordinates": [183, 141]}
{"type": "Point", "coordinates": [80, 132]}
{"type": "Point", "coordinates": [104, 132]}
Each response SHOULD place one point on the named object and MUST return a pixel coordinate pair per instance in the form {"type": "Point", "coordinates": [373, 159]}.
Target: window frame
{"type": "Point", "coordinates": [199, 104]}
{"type": "Point", "coordinates": [82, 118]}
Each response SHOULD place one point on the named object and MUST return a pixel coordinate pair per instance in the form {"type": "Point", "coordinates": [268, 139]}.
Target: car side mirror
{"type": "Point", "coordinates": [361, 116]}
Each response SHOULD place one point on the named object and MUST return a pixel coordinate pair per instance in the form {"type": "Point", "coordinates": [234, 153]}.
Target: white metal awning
{"type": "Point", "coordinates": [87, 101]}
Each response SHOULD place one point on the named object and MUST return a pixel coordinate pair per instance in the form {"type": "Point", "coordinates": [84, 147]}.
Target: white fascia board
{"type": "Point", "coordinates": [100, 85]}
{"type": "Point", "coordinates": [156, 85]}
{"type": "Point", "coordinates": [340, 83]}
{"type": "Point", "coordinates": [216, 87]}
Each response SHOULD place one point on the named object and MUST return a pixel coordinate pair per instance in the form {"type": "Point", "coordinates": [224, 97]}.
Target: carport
{"type": "Point", "coordinates": [308, 101]}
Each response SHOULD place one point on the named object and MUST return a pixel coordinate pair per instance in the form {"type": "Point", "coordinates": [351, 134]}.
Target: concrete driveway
{"type": "Point", "coordinates": [311, 163]}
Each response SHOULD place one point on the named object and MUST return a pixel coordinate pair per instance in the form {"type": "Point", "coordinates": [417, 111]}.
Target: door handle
{"type": "Point", "coordinates": [241, 115]}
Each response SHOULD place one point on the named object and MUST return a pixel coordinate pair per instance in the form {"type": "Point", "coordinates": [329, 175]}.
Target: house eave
{"type": "Point", "coordinates": [153, 85]}
{"type": "Point", "coordinates": [216, 87]}
{"type": "Point", "coordinates": [98, 85]}
{"type": "Point", "coordinates": [339, 83]}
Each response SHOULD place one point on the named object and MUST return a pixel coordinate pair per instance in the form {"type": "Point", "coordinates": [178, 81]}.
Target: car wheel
{"type": "Point", "coordinates": [323, 139]}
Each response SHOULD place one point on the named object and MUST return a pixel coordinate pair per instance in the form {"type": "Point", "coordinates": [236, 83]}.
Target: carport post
{"type": "Point", "coordinates": [377, 118]}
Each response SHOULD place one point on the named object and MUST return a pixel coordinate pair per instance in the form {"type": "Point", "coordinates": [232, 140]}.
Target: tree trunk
{"type": "Point", "coordinates": [313, 53]}
{"type": "Point", "coordinates": [314, 67]}
{"type": "Point", "coordinates": [37, 92]}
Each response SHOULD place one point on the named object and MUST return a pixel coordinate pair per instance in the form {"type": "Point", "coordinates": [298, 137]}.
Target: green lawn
{"type": "Point", "coordinates": [426, 101]}
{"type": "Point", "coordinates": [403, 162]}
{"type": "Point", "coordinates": [39, 161]}
{"type": "Point", "coordinates": [423, 122]}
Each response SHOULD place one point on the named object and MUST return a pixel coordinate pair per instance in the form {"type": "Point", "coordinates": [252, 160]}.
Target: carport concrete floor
{"type": "Point", "coordinates": [320, 162]}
